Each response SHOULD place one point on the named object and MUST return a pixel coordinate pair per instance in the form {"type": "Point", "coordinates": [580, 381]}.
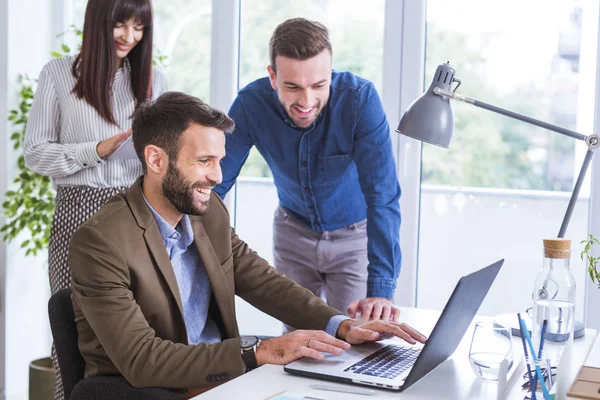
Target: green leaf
{"type": "Point", "coordinates": [55, 54]}
{"type": "Point", "coordinates": [65, 48]}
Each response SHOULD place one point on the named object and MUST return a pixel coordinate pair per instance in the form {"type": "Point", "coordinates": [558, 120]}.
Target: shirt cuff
{"type": "Point", "coordinates": [381, 287]}
{"type": "Point", "coordinates": [334, 324]}
{"type": "Point", "coordinates": [87, 155]}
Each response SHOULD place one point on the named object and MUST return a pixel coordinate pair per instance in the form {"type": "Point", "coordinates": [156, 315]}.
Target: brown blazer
{"type": "Point", "coordinates": [128, 308]}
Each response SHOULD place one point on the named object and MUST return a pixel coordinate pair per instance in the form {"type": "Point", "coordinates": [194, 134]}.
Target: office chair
{"type": "Point", "coordinates": [72, 365]}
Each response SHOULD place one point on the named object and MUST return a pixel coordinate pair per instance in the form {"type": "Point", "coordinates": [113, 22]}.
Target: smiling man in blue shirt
{"type": "Point", "coordinates": [326, 138]}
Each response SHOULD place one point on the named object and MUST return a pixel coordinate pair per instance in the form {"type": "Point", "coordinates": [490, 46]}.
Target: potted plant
{"type": "Point", "coordinates": [591, 260]}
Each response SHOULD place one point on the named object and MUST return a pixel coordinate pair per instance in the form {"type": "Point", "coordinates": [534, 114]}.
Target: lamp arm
{"type": "Point", "coordinates": [510, 114]}
{"type": "Point", "coordinates": [575, 194]}
{"type": "Point", "coordinates": [592, 142]}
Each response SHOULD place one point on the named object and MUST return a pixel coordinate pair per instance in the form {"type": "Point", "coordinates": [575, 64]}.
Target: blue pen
{"type": "Point", "coordinates": [543, 333]}
{"type": "Point", "coordinates": [535, 360]}
{"type": "Point", "coordinates": [531, 378]}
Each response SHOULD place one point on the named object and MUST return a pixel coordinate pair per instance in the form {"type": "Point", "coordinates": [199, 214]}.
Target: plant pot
{"type": "Point", "coordinates": [41, 379]}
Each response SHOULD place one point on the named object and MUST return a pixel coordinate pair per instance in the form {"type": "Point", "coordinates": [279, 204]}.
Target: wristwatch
{"type": "Point", "coordinates": [248, 346]}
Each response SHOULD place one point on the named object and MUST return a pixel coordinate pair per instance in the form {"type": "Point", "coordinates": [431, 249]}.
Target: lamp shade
{"type": "Point", "coordinates": [430, 118]}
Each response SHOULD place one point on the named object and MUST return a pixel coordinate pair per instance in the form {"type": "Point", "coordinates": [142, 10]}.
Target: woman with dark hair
{"type": "Point", "coordinates": [82, 112]}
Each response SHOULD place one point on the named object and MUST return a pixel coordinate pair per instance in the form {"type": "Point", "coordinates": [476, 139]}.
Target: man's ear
{"type": "Point", "coordinates": [156, 158]}
{"type": "Point", "coordinates": [272, 77]}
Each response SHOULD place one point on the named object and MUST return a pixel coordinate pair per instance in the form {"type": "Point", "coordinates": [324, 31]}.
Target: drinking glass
{"type": "Point", "coordinates": [491, 344]}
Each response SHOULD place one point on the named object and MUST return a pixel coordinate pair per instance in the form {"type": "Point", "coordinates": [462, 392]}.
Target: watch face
{"type": "Point", "coordinates": [248, 341]}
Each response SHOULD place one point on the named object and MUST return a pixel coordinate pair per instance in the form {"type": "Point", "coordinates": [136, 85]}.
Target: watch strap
{"type": "Point", "coordinates": [249, 356]}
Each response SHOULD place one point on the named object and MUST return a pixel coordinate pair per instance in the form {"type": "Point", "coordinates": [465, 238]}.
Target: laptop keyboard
{"type": "Point", "coordinates": [387, 362]}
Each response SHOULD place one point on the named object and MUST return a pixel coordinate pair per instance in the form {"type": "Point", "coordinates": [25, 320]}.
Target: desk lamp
{"type": "Point", "coordinates": [430, 119]}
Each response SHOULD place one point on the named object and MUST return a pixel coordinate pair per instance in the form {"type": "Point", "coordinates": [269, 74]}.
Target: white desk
{"type": "Point", "coordinates": [453, 379]}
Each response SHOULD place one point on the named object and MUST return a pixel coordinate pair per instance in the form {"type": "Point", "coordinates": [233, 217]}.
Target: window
{"type": "Point", "coordinates": [501, 172]}
{"type": "Point", "coordinates": [182, 30]}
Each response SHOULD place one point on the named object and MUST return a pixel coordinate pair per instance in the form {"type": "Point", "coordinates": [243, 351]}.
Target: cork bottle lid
{"type": "Point", "coordinates": [557, 248]}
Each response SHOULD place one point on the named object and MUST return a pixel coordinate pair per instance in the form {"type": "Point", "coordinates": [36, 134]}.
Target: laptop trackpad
{"type": "Point", "coordinates": [357, 352]}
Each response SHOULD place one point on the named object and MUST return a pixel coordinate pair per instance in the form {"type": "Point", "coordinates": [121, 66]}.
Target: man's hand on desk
{"type": "Point", "coordinates": [374, 308]}
{"type": "Point", "coordinates": [292, 346]}
{"type": "Point", "coordinates": [357, 332]}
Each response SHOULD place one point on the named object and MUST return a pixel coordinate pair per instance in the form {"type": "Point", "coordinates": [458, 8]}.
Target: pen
{"type": "Point", "coordinates": [276, 396]}
{"type": "Point", "coordinates": [534, 384]}
{"type": "Point", "coordinates": [543, 333]}
{"type": "Point", "coordinates": [526, 356]}
{"type": "Point", "coordinates": [549, 368]}
{"type": "Point", "coordinates": [343, 389]}
{"type": "Point", "coordinates": [535, 360]}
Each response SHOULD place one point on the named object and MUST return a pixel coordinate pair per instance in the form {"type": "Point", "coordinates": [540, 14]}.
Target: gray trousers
{"type": "Point", "coordinates": [331, 264]}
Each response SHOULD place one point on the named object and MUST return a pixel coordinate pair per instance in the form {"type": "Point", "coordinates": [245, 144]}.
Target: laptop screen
{"type": "Point", "coordinates": [454, 321]}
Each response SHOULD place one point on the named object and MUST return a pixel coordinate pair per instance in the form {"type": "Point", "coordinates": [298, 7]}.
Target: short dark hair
{"type": "Point", "coordinates": [95, 66]}
{"type": "Point", "coordinates": [162, 122]}
{"type": "Point", "coordinates": [299, 39]}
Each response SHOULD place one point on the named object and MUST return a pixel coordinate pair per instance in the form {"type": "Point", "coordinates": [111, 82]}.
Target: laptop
{"type": "Point", "coordinates": [399, 365]}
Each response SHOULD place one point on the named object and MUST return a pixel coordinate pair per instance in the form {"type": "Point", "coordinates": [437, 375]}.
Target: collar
{"type": "Point", "coordinates": [183, 232]}
{"type": "Point", "coordinates": [125, 68]}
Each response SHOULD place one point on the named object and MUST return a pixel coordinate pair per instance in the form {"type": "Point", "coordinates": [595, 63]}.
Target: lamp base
{"type": "Point", "coordinates": [510, 320]}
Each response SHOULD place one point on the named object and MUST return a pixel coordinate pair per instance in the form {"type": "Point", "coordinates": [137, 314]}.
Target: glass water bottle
{"type": "Point", "coordinates": [554, 302]}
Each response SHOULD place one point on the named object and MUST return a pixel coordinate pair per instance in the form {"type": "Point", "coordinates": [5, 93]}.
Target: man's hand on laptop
{"type": "Point", "coordinates": [374, 308]}
{"type": "Point", "coordinates": [357, 332]}
{"type": "Point", "coordinates": [292, 346]}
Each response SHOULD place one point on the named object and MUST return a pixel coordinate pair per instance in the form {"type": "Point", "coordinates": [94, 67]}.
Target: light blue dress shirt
{"type": "Point", "coordinates": [193, 283]}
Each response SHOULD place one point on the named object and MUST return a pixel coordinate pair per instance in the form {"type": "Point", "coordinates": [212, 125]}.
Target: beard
{"type": "Point", "coordinates": [180, 192]}
{"type": "Point", "coordinates": [299, 122]}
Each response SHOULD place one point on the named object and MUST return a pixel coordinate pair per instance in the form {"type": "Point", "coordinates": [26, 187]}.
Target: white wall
{"type": "Point", "coordinates": [27, 35]}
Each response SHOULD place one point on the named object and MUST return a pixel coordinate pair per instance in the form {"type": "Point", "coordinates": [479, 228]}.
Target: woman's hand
{"type": "Point", "coordinates": [106, 147]}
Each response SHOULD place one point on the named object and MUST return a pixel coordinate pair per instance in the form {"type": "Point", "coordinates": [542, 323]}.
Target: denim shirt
{"type": "Point", "coordinates": [333, 174]}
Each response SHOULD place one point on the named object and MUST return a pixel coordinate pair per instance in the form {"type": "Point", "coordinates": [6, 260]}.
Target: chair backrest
{"type": "Point", "coordinates": [64, 332]}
